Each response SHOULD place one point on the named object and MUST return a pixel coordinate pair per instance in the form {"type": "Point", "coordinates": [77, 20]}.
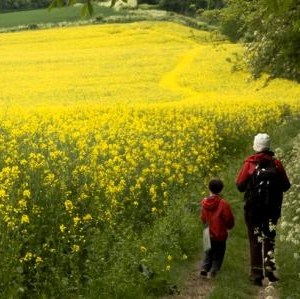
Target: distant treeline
{"type": "Point", "coordinates": [23, 4]}
{"type": "Point", "coordinates": [180, 6]}
{"type": "Point", "coordinates": [183, 6]}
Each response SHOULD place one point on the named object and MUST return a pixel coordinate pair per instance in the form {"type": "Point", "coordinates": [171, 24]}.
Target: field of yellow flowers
{"type": "Point", "coordinates": [101, 128]}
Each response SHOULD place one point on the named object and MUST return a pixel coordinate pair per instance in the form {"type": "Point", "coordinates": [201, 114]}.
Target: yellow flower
{"type": "Point", "coordinates": [169, 258]}
{"type": "Point", "coordinates": [154, 210]}
{"type": "Point", "coordinates": [22, 203]}
{"type": "Point", "coordinates": [69, 205]}
{"type": "Point", "coordinates": [76, 220]}
{"type": "Point", "coordinates": [28, 256]}
{"type": "Point", "coordinates": [38, 260]}
{"type": "Point", "coordinates": [75, 248]}
{"type": "Point", "coordinates": [2, 193]}
{"type": "Point", "coordinates": [87, 217]}
{"type": "Point", "coordinates": [26, 193]}
{"type": "Point", "coordinates": [24, 219]}
{"type": "Point", "coordinates": [143, 249]}
{"type": "Point", "coordinates": [62, 228]}
{"type": "Point", "coordinates": [168, 267]}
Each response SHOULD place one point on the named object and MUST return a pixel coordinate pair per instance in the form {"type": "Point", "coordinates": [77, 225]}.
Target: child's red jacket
{"type": "Point", "coordinates": [217, 213]}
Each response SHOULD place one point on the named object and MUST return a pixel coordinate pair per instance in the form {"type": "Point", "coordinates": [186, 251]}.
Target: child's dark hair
{"type": "Point", "coordinates": [216, 186]}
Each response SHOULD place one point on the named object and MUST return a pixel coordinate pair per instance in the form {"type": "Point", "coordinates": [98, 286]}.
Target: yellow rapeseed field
{"type": "Point", "coordinates": [105, 123]}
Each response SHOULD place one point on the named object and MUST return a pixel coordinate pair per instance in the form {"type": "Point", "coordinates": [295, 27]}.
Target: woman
{"type": "Point", "coordinates": [263, 179]}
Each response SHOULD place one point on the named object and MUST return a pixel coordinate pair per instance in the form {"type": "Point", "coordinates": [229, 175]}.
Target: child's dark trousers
{"type": "Point", "coordinates": [214, 257]}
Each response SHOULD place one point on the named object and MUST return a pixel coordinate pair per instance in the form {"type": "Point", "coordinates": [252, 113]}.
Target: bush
{"type": "Point", "coordinates": [182, 6]}
{"type": "Point", "coordinates": [211, 17]}
{"type": "Point", "coordinates": [271, 32]}
{"type": "Point", "coordinates": [148, 1]}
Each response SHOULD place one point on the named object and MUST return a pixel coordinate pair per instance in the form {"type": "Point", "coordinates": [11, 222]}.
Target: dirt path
{"type": "Point", "coordinates": [194, 287]}
{"type": "Point", "coordinates": [268, 291]}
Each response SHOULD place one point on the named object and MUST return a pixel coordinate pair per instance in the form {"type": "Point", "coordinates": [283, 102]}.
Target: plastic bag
{"type": "Point", "coordinates": [206, 239]}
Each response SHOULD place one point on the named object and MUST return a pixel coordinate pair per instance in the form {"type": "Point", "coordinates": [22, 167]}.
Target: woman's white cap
{"type": "Point", "coordinates": [261, 142]}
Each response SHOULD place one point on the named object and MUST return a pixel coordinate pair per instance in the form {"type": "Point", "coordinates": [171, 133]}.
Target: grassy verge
{"type": "Point", "coordinates": [289, 241]}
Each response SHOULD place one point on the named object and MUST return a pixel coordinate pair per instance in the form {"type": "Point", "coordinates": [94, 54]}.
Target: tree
{"type": "Point", "coordinates": [271, 32]}
{"type": "Point", "coordinates": [87, 8]}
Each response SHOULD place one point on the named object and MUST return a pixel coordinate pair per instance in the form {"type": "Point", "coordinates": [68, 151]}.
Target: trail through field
{"type": "Point", "coordinates": [194, 287]}
{"type": "Point", "coordinates": [268, 291]}
{"type": "Point", "coordinates": [170, 79]}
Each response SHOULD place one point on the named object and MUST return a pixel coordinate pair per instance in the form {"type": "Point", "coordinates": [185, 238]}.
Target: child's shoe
{"type": "Point", "coordinates": [203, 274]}
{"type": "Point", "coordinates": [257, 282]}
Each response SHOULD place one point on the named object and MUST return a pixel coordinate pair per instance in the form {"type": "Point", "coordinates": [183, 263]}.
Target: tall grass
{"type": "Point", "coordinates": [289, 232]}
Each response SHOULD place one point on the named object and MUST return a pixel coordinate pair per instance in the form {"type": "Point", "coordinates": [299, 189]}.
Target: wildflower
{"type": "Point", "coordinates": [62, 228]}
{"type": "Point", "coordinates": [169, 257]}
{"type": "Point", "coordinates": [184, 257]}
{"type": "Point", "coordinates": [76, 220]}
{"type": "Point", "coordinates": [49, 179]}
{"type": "Point", "coordinates": [22, 203]}
{"type": "Point", "coordinates": [168, 267]}
{"type": "Point", "coordinates": [38, 260]}
{"type": "Point", "coordinates": [24, 219]}
{"type": "Point", "coordinates": [2, 193]}
{"type": "Point", "coordinates": [23, 162]}
{"type": "Point", "coordinates": [154, 210]}
{"type": "Point", "coordinates": [28, 256]}
{"type": "Point", "coordinates": [26, 193]}
{"type": "Point", "coordinates": [69, 205]}
{"type": "Point", "coordinates": [143, 249]}
{"type": "Point", "coordinates": [87, 217]}
{"type": "Point", "coordinates": [75, 248]}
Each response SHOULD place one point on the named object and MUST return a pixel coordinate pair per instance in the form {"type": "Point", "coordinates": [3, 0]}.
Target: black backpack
{"type": "Point", "coordinates": [264, 186]}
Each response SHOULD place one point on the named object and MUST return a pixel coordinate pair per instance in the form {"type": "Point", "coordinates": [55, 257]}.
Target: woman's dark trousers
{"type": "Point", "coordinates": [261, 236]}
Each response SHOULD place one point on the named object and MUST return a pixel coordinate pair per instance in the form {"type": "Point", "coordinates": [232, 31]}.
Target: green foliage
{"type": "Point", "coordinates": [211, 16]}
{"type": "Point", "coordinates": [148, 1]}
{"type": "Point", "coordinates": [185, 6]}
{"type": "Point", "coordinates": [289, 245]}
{"type": "Point", "coordinates": [23, 4]}
{"type": "Point", "coordinates": [271, 32]}
{"type": "Point", "coordinates": [86, 11]}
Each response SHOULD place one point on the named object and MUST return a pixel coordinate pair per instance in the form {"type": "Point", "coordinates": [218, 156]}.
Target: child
{"type": "Point", "coordinates": [216, 213]}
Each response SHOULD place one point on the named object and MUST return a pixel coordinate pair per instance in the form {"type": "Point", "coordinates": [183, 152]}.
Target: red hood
{"type": "Point", "coordinates": [211, 202]}
{"type": "Point", "coordinates": [268, 155]}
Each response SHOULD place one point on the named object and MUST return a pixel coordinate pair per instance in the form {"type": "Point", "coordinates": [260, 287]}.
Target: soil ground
{"type": "Point", "coordinates": [195, 287]}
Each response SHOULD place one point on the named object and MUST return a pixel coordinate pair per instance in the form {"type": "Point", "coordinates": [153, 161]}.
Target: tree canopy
{"type": "Point", "coordinates": [271, 32]}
